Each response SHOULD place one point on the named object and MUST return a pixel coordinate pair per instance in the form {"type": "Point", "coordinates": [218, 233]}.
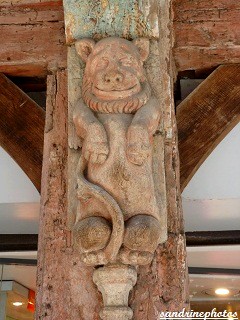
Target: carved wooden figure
{"type": "Point", "coordinates": [118, 215]}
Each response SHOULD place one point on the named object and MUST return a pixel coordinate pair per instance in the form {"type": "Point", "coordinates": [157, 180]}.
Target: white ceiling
{"type": "Point", "coordinates": [19, 218]}
{"type": "Point", "coordinates": [200, 284]}
{"type": "Point", "coordinates": [15, 186]}
{"type": "Point", "coordinates": [25, 275]}
{"type": "Point", "coordinates": [211, 200]}
{"type": "Point", "coordinates": [211, 215]}
{"type": "Point", "coordinates": [225, 257]}
{"type": "Point", "coordinates": [19, 199]}
{"type": "Point", "coordinates": [219, 176]}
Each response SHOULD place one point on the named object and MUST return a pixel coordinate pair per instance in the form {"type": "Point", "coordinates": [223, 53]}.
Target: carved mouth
{"type": "Point", "coordinates": [118, 90]}
{"type": "Point", "coordinates": [116, 93]}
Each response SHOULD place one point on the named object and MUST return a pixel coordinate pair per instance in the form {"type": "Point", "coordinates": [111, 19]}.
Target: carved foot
{"type": "Point", "coordinates": [142, 233]}
{"type": "Point", "coordinates": [96, 258]}
{"type": "Point", "coordinates": [138, 145]}
{"type": "Point", "coordinates": [91, 235]}
{"type": "Point", "coordinates": [141, 238]}
{"type": "Point", "coordinates": [95, 146]}
{"type": "Point", "coordinates": [134, 258]}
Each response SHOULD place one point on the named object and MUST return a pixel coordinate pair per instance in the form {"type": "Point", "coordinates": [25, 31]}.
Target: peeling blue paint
{"type": "Point", "coordinates": [102, 18]}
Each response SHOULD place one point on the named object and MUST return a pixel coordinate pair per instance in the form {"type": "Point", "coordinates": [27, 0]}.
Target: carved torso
{"type": "Point", "coordinates": [118, 214]}
{"type": "Point", "coordinates": [129, 184]}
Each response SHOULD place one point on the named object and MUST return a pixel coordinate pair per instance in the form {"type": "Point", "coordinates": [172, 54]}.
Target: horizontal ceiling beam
{"type": "Point", "coordinates": [214, 271]}
{"type": "Point", "coordinates": [206, 33]}
{"type": "Point", "coordinates": [32, 3]}
{"type": "Point", "coordinates": [29, 242]}
{"type": "Point", "coordinates": [16, 261]}
{"type": "Point", "coordinates": [21, 129]}
{"type": "Point", "coordinates": [33, 38]}
{"type": "Point", "coordinates": [210, 238]}
{"type": "Point", "coordinates": [18, 242]}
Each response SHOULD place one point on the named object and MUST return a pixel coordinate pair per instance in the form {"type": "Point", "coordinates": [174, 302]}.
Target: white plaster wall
{"type": "Point", "coordinates": [15, 186]}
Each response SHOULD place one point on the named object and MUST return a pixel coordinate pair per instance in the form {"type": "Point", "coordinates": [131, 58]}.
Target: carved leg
{"type": "Point", "coordinates": [141, 239]}
{"type": "Point", "coordinates": [138, 145]}
{"type": "Point", "coordinates": [91, 235]}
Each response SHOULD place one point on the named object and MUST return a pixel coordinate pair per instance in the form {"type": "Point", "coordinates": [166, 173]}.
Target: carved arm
{"type": "Point", "coordinates": [95, 144]}
{"type": "Point", "coordinates": [148, 116]}
{"type": "Point", "coordinates": [141, 130]}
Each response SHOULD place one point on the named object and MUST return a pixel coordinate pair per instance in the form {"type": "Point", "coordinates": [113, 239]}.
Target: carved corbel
{"type": "Point", "coordinates": [118, 219]}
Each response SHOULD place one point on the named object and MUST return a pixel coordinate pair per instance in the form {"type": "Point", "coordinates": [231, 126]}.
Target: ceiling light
{"type": "Point", "coordinates": [17, 303]}
{"type": "Point", "coordinates": [222, 291]}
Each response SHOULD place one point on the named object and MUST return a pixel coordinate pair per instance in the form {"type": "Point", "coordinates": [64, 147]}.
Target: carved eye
{"type": "Point", "coordinates": [126, 61]}
{"type": "Point", "coordinates": [103, 63]}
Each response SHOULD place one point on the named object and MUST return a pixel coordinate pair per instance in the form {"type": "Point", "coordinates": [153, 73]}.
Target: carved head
{"type": "Point", "coordinates": [114, 73]}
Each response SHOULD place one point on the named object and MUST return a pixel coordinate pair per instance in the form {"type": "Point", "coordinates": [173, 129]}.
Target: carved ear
{"type": "Point", "coordinates": [84, 47]}
{"type": "Point", "coordinates": [143, 47]}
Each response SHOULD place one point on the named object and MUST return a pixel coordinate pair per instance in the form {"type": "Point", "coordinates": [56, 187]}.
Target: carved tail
{"type": "Point", "coordinates": [88, 189]}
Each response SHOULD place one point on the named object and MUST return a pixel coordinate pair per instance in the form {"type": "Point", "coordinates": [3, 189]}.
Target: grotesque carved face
{"type": "Point", "coordinates": [114, 72]}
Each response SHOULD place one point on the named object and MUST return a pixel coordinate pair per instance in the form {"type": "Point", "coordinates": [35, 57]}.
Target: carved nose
{"type": "Point", "coordinates": [113, 77]}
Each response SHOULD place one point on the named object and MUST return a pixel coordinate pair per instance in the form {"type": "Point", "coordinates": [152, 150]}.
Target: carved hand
{"type": "Point", "coordinates": [95, 145]}
{"type": "Point", "coordinates": [138, 144]}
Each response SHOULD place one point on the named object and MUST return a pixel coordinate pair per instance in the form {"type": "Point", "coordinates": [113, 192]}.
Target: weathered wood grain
{"type": "Point", "coordinates": [32, 38]}
{"type": "Point", "coordinates": [206, 33]}
{"type": "Point", "coordinates": [163, 285]}
{"type": "Point", "coordinates": [31, 3]}
{"type": "Point", "coordinates": [203, 58]}
{"type": "Point", "coordinates": [206, 116]}
{"type": "Point", "coordinates": [65, 287]}
{"type": "Point", "coordinates": [21, 129]}
{"type": "Point", "coordinates": [205, 4]}
{"type": "Point", "coordinates": [120, 18]}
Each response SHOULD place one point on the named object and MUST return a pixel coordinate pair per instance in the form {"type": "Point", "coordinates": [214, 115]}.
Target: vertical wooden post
{"type": "Point", "coordinates": [65, 288]}
{"type": "Point", "coordinates": [163, 286]}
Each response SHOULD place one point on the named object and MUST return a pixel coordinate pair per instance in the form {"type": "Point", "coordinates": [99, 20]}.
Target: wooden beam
{"type": "Point", "coordinates": [18, 242]}
{"type": "Point", "coordinates": [206, 116]}
{"type": "Point", "coordinates": [29, 242]}
{"type": "Point", "coordinates": [21, 129]}
{"type": "Point", "coordinates": [32, 34]}
{"type": "Point", "coordinates": [214, 271]}
{"type": "Point", "coordinates": [30, 84]}
{"type": "Point", "coordinates": [16, 262]}
{"type": "Point", "coordinates": [206, 33]}
{"type": "Point", "coordinates": [32, 3]}
{"type": "Point", "coordinates": [210, 238]}
{"type": "Point", "coordinates": [32, 31]}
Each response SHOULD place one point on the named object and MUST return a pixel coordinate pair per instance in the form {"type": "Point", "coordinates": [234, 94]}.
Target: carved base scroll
{"type": "Point", "coordinates": [115, 283]}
